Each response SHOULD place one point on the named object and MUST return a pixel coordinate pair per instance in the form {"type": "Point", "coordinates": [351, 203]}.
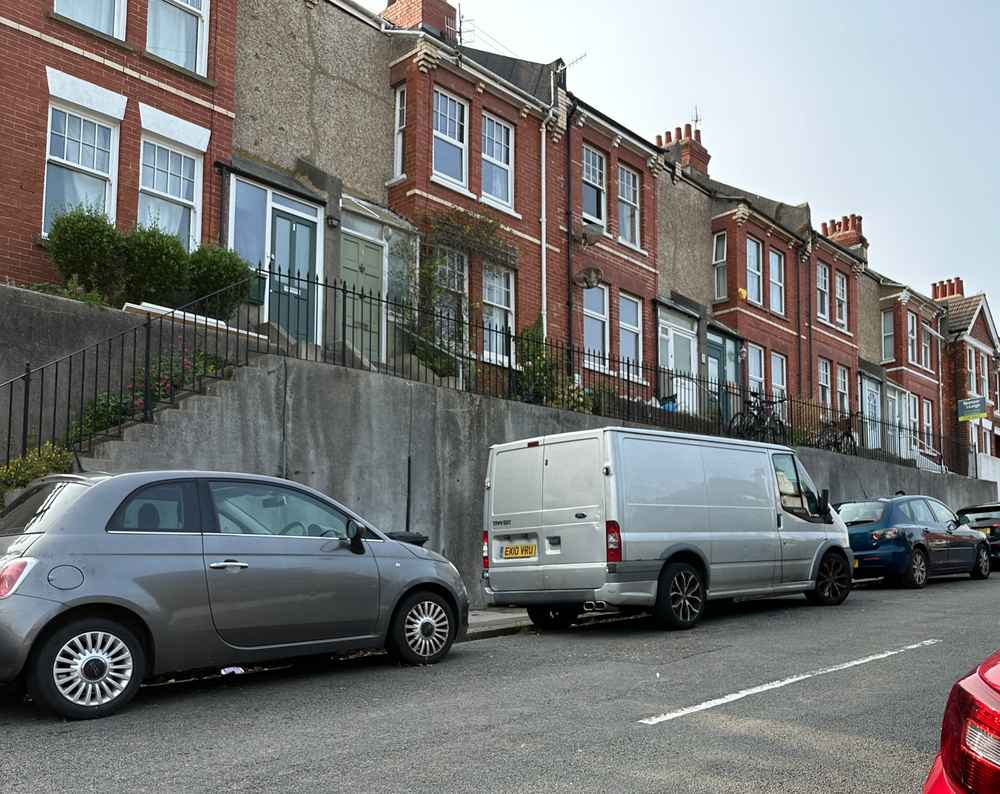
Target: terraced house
{"type": "Point", "coordinates": [123, 105]}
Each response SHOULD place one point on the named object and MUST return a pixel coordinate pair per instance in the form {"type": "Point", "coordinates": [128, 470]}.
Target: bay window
{"type": "Point", "coordinates": [925, 349]}
{"type": "Point", "coordinates": [177, 31]}
{"type": "Point", "coordinates": [971, 366]}
{"type": "Point", "coordinates": [911, 337]}
{"type": "Point", "coordinates": [450, 138]}
{"type": "Point", "coordinates": [628, 206]}
{"type": "Point", "coordinates": [630, 336]}
{"type": "Point", "coordinates": [498, 314]}
{"type": "Point", "coordinates": [983, 375]}
{"type": "Point", "coordinates": [498, 161]}
{"type": "Point", "coordinates": [594, 185]}
{"type": "Point", "coordinates": [825, 392]}
{"type": "Point", "coordinates": [843, 391]}
{"type": "Point", "coordinates": [105, 16]}
{"type": "Point", "coordinates": [399, 133]}
{"type": "Point", "coordinates": [888, 336]}
{"type": "Point", "coordinates": [595, 327]}
{"type": "Point", "coordinates": [928, 424]}
{"type": "Point", "coordinates": [779, 379]}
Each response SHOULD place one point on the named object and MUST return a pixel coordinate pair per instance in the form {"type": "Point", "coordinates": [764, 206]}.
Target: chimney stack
{"type": "Point", "coordinates": [848, 232]}
{"type": "Point", "coordinates": [686, 144]}
{"type": "Point", "coordinates": [437, 16]}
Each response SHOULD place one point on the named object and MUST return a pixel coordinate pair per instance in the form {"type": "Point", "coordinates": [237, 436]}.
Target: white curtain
{"type": "Point", "coordinates": [166, 216]}
{"type": "Point", "coordinates": [173, 34]}
{"type": "Point", "coordinates": [66, 189]}
{"type": "Point", "coordinates": [97, 14]}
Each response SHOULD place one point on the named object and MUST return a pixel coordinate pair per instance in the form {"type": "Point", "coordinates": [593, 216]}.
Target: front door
{"type": "Point", "coordinates": [872, 402]}
{"type": "Point", "coordinates": [716, 356]}
{"type": "Point", "coordinates": [293, 293]}
{"type": "Point", "coordinates": [280, 570]}
{"type": "Point", "coordinates": [362, 262]}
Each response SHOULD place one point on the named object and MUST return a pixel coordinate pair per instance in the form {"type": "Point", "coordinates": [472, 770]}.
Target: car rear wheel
{"type": "Point", "coordinates": [423, 630]}
{"type": "Point", "coordinates": [982, 568]}
{"type": "Point", "coordinates": [680, 597]}
{"type": "Point", "coordinates": [833, 581]}
{"type": "Point", "coordinates": [915, 575]}
{"type": "Point", "coordinates": [87, 669]}
{"type": "Point", "coordinates": [553, 618]}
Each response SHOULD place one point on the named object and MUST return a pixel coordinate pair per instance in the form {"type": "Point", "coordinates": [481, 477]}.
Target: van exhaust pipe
{"type": "Point", "coordinates": [588, 606]}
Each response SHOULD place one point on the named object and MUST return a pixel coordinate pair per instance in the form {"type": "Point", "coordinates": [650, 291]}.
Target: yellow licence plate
{"type": "Point", "coordinates": [519, 551]}
{"type": "Point", "coordinates": [856, 564]}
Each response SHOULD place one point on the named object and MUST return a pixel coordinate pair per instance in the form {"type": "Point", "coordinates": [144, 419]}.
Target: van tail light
{"type": "Point", "coordinates": [970, 734]}
{"type": "Point", "coordinates": [486, 550]}
{"type": "Point", "coordinates": [12, 574]}
{"type": "Point", "coordinates": [613, 539]}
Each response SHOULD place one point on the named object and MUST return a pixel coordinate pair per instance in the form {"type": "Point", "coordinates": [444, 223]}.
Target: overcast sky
{"type": "Point", "coordinates": [887, 109]}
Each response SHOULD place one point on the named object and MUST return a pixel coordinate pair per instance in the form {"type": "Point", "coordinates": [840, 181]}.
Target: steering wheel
{"type": "Point", "coordinates": [295, 524]}
{"type": "Point", "coordinates": [329, 533]}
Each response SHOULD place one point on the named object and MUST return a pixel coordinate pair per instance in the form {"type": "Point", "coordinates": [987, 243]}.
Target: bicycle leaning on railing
{"type": "Point", "coordinates": [759, 420]}
{"type": "Point", "coordinates": [837, 435]}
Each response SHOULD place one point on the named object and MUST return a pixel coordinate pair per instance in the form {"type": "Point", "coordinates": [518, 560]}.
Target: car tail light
{"type": "Point", "coordinates": [970, 734]}
{"type": "Point", "coordinates": [613, 536]}
{"type": "Point", "coordinates": [486, 551]}
{"type": "Point", "coordinates": [12, 574]}
{"type": "Point", "coordinates": [885, 534]}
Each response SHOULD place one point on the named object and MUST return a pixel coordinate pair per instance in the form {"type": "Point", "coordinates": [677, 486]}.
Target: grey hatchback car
{"type": "Point", "coordinates": [107, 581]}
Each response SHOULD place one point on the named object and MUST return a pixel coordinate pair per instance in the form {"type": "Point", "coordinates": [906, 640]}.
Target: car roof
{"type": "Point", "coordinates": [976, 508]}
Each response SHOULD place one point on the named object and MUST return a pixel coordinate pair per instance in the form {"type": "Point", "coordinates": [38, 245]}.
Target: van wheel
{"type": "Point", "coordinates": [680, 597]}
{"type": "Point", "coordinates": [87, 669]}
{"type": "Point", "coordinates": [833, 582]}
{"type": "Point", "coordinates": [983, 566]}
{"type": "Point", "coordinates": [423, 630]}
{"type": "Point", "coordinates": [553, 618]}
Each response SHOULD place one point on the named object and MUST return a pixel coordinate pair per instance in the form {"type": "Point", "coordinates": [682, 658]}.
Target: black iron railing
{"type": "Point", "coordinates": [93, 393]}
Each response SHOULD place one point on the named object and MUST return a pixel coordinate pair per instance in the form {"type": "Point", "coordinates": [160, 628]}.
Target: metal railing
{"type": "Point", "coordinates": [92, 394]}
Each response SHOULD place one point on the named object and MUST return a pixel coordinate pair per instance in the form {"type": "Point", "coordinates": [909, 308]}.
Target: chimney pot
{"type": "Point", "coordinates": [697, 135]}
{"type": "Point", "coordinates": [825, 229]}
{"type": "Point", "coordinates": [854, 222]}
{"type": "Point", "coordinates": [934, 290]}
{"type": "Point", "coordinates": [677, 134]}
{"type": "Point", "coordinates": [687, 132]}
{"type": "Point", "coordinates": [949, 287]}
{"type": "Point", "coordinates": [659, 141]}
{"type": "Point", "coordinates": [667, 138]}
{"type": "Point", "coordinates": [845, 222]}
{"type": "Point", "coordinates": [959, 287]}
{"type": "Point", "coordinates": [860, 234]}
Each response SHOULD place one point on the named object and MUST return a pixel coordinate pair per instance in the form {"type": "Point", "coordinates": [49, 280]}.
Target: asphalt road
{"type": "Point", "coordinates": [558, 712]}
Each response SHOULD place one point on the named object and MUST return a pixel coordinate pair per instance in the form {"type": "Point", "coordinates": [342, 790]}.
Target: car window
{"type": "Point", "coordinates": [26, 512]}
{"type": "Point", "coordinates": [941, 513]}
{"type": "Point", "coordinates": [855, 513]}
{"type": "Point", "coordinates": [920, 511]}
{"type": "Point", "coordinates": [246, 508]}
{"type": "Point", "coordinates": [163, 507]}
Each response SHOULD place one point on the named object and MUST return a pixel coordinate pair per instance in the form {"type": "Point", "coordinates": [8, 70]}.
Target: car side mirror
{"type": "Point", "coordinates": [356, 537]}
{"type": "Point", "coordinates": [824, 503]}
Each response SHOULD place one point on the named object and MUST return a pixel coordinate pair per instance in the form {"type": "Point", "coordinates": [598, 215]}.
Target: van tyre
{"type": "Point", "coordinates": [680, 597]}
{"type": "Point", "coordinates": [423, 629]}
{"type": "Point", "coordinates": [833, 581]}
{"type": "Point", "coordinates": [915, 575]}
{"type": "Point", "coordinates": [983, 566]}
{"type": "Point", "coordinates": [553, 618]}
{"type": "Point", "coordinates": [87, 669]}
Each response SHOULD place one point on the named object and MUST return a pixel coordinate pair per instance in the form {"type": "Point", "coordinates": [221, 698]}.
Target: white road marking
{"type": "Point", "coordinates": [744, 693]}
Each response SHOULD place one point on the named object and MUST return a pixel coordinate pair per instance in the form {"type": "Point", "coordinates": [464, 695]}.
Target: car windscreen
{"type": "Point", "coordinates": [29, 508]}
{"type": "Point", "coordinates": [977, 515]}
{"type": "Point", "coordinates": [855, 513]}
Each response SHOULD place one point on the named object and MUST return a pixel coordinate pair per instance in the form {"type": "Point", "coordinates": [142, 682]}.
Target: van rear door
{"type": "Point", "coordinates": [573, 544]}
{"type": "Point", "coordinates": [514, 518]}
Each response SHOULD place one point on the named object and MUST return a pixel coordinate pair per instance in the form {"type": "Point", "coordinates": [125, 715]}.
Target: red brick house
{"type": "Point", "coordinates": [125, 105]}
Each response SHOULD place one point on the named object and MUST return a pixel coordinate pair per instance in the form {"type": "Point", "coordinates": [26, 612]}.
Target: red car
{"type": "Point", "coordinates": [969, 761]}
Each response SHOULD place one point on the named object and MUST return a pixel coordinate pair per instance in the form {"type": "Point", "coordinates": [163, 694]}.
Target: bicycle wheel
{"type": "Point", "coordinates": [742, 426]}
{"type": "Point", "coordinates": [848, 445]}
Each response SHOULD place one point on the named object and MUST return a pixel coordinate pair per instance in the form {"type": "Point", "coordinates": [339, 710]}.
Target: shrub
{"type": "Point", "coordinates": [210, 271]}
{"type": "Point", "coordinates": [156, 267]}
{"type": "Point", "coordinates": [88, 248]}
{"type": "Point", "coordinates": [49, 459]}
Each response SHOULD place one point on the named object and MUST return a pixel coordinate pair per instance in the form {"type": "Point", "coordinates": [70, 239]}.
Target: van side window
{"type": "Point", "coordinates": [788, 483]}
{"type": "Point", "coordinates": [809, 491]}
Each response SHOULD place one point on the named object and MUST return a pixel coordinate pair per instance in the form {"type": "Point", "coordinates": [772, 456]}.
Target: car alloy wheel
{"type": "Point", "coordinates": [686, 600]}
{"type": "Point", "coordinates": [427, 628]}
{"type": "Point", "coordinates": [919, 569]}
{"type": "Point", "coordinates": [983, 564]}
{"type": "Point", "coordinates": [93, 668]}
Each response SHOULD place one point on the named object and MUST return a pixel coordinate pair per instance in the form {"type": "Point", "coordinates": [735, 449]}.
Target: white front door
{"type": "Point", "coordinates": [679, 355]}
{"type": "Point", "coordinates": [873, 413]}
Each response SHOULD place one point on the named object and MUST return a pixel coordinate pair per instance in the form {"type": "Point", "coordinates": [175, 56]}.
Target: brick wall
{"type": "Point", "coordinates": [79, 52]}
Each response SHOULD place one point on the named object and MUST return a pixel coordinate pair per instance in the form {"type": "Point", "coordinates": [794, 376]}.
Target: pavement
{"type": "Point", "coordinates": [764, 696]}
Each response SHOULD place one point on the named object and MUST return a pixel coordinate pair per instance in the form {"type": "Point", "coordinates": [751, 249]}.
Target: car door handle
{"type": "Point", "coordinates": [221, 566]}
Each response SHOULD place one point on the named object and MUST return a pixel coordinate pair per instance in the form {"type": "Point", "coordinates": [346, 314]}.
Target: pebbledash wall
{"type": "Point", "coordinates": [48, 59]}
{"type": "Point", "coordinates": [352, 434]}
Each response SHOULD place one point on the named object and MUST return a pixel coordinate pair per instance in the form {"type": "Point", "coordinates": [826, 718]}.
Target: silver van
{"type": "Point", "coordinates": [653, 520]}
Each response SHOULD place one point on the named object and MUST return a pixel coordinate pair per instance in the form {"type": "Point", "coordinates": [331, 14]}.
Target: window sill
{"type": "Point", "coordinates": [722, 299]}
{"type": "Point", "coordinates": [638, 249]}
{"type": "Point", "coordinates": [885, 361]}
{"type": "Point", "coordinates": [834, 326]}
{"type": "Point", "coordinates": [179, 69]}
{"type": "Point", "coordinates": [396, 180]}
{"type": "Point", "coordinates": [757, 304]}
{"type": "Point", "coordinates": [100, 34]}
{"type": "Point", "coordinates": [596, 222]}
{"type": "Point", "coordinates": [447, 183]}
{"type": "Point", "coordinates": [499, 207]}
{"type": "Point", "coordinates": [604, 370]}
{"type": "Point", "coordinates": [497, 361]}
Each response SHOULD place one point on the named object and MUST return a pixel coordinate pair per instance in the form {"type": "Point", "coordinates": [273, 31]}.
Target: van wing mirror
{"type": "Point", "coordinates": [824, 503]}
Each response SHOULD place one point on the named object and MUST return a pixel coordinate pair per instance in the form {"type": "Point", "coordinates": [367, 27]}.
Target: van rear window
{"type": "Point", "coordinates": [29, 508]}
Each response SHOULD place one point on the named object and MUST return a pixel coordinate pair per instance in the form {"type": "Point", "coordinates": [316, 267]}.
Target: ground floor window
{"type": "Point", "coordinates": [595, 327]}
{"type": "Point", "coordinates": [843, 391]}
{"type": "Point", "coordinates": [755, 368]}
{"type": "Point", "coordinates": [630, 336]}
{"type": "Point", "coordinates": [825, 393]}
{"type": "Point", "coordinates": [170, 191]}
{"type": "Point", "coordinates": [928, 424]}
{"type": "Point", "coordinates": [498, 314]}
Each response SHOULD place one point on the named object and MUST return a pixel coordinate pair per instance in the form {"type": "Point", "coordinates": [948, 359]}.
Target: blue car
{"type": "Point", "coordinates": [907, 539]}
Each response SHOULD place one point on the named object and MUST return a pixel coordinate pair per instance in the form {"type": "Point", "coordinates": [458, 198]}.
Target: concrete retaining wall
{"type": "Point", "coordinates": [350, 434]}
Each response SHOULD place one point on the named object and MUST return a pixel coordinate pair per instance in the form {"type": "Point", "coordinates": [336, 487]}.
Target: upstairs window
{"type": "Point", "coordinates": [777, 276]}
{"type": "Point", "coordinates": [983, 377]}
{"type": "Point", "coordinates": [628, 206]}
{"type": "Point", "coordinates": [105, 16]}
{"type": "Point", "coordinates": [594, 181]}
{"type": "Point", "coordinates": [841, 284]}
{"type": "Point", "coordinates": [754, 272]}
{"type": "Point", "coordinates": [823, 291]}
{"type": "Point", "coordinates": [498, 161]}
{"type": "Point", "coordinates": [911, 337]}
{"type": "Point", "coordinates": [177, 31]}
{"type": "Point", "coordinates": [719, 266]}
{"type": "Point", "coordinates": [971, 367]}
{"type": "Point", "coordinates": [169, 192]}
{"type": "Point", "coordinates": [450, 138]}
{"type": "Point", "coordinates": [888, 336]}
{"type": "Point", "coordinates": [399, 133]}
{"type": "Point", "coordinates": [925, 348]}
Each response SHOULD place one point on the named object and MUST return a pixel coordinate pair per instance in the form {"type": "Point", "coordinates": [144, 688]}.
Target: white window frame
{"type": "Point", "coordinates": [203, 14]}
{"type": "Point", "coordinates": [823, 291]}
{"type": "Point", "coordinates": [631, 370]}
{"type": "Point", "coordinates": [757, 385]}
{"type": "Point", "coordinates": [463, 144]}
{"type": "Point", "coordinates": [925, 348]}
{"type": "Point", "coordinates": [626, 176]}
{"type": "Point", "coordinates": [914, 417]}
{"type": "Point", "coordinates": [843, 390]}
{"type": "Point", "coordinates": [593, 360]}
{"type": "Point", "coordinates": [399, 132]}
{"type": "Point", "coordinates": [841, 298]}
{"type": "Point", "coordinates": [720, 266]}
{"type": "Point", "coordinates": [758, 274]}
{"type": "Point", "coordinates": [889, 336]}
{"type": "Point", "coordinates": [928, 408]}
{"type": "Point", "coordinates": [489, 198]}
{"type": "Point", "coordinates": [973, 382]}
{"type": "Point", "coordinates": [825, 383]}
{"type": "Point", "coordinates": [912, 339]}
{"type": "Point", "coordinates": [776, 258]}
{"type": "Point", "coordinates": [602, 186]}
{"type": "Point", "coordinates": [983, 375]}
{"type": "Point", "coordinates": [508, 275]}
{"type": "Point", "coordinates": [779, 389]}
{"type": "Point", "coordinates": [120, 17]}
{"type": "Point", "coordinates": [196, 204]}
{"type": "Point", "coordinates": [110, 178]}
